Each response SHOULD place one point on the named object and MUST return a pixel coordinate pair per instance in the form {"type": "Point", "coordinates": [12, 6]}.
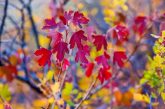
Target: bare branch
{"type": "Point", "coordinates": [3, 20]}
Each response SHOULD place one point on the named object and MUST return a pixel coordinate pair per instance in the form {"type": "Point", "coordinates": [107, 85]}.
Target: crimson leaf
{"type": "Point", "coordinates": [78, 19]}
{"type": "Point", "coordinates": [81, 55]}
{"type": "Point", "coordinates": [140, 24]}
{"type": "Point", "coordinates": [45, 56]}
{"type": "Point", "coordinates": [99, 41]}
{"type": "Point", "coordinates": [50, 23]}
{"type": "Point", "coordinates": [8, 71]}
{"type": "Point", "coordinates": [118, 58]}
{"type": "Point", "coordinates": [76, 39]}
{"type": "Point", "coordinates": [104, 74]}
{"type": "Point", "coordinates": [89, 69]}
{"type": "Point", "coordinates": [103, 59]}
{"type": "Point", "coordinates": [121, 32]}
{"type": "Point", "coordinates": [65, 64]}
{"type": "Point", "coordinates": [61, 48]}
{"type": "Point", "coordinates": [55, 37]}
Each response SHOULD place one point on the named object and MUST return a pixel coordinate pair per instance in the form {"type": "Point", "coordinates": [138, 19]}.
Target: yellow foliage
{"type": "Point", "coordinates": [141, 97]}
{"type": "Point", "coordinates": [51, 100]}
{"type": "Point", "coordinates": [43, 41]}
{"type": "Point", "coordinates": [55, 87]}
{"type": "Point", "coordinates": [40, 102]}
{"type": "Point", "coordinates": [111, 7]}
{"type": "Point", "coordinates": [50, 74]}
{"type": "Point", "coordinates": [123, 98]}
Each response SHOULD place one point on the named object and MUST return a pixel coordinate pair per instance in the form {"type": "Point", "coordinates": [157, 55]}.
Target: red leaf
{"type": "Point", "coordinates": [106, 55]}
{"type": "Point", "coordinates": [65, 64]}
{"type": "Point", "coordinates": [104, 74]}
{"type": "Point", "coordinates": [100, 41]}
{"type": "Point", "coordinates": [121, 33]}
{"type": "Point", "coordinates": [78, 19]}
{"type": "Point", "coordinates": [55, 37]}
{"type": "Point", "coordinates": [76, 39]}
{"type": "Point", "coordinates": [61, 48]}
{"type": "Point", "coordinates": [68, 15]}
{"type": "Point", "coordinates": [89, 69]}
{"type": "Point", "coordinates": [103, 59]}
{"type": "Point", "coordinates": [118, 58]}
{"type": "Point", "coordinates": [81, 55]}
{"type": "Point", "coordinates": [8, 71]}
{"type": "Point", "coordinates": [62, 18]}
{"type": "Point", "coordinates": [50, 23]}
{"type": "Point", "coordinates": [140, 24]}
{"type": "Point", "coordinates": [45, 56]}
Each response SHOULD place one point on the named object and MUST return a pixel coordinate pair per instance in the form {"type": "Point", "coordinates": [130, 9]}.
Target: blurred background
{"type": "Point", "coordinates": [21, 33]}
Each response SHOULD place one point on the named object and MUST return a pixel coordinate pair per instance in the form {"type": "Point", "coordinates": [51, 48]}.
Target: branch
{"type": "Point", "coordinates": [3, 20]}
{"type": "Point", "coordinates": [34, 28]}
{"type": "Point", "coordinates": [37, 89]}
{"type": "Point", "coordinates": [87, 94]}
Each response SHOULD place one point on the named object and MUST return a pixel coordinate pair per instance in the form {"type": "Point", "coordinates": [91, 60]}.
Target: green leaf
{"type": "Point", "coordinates": [75, 91]}
{"type": "Point", "coordinates": [70, 103]}
{"type": "Point", "coordinates": [68, 88]}
{"type": "Point", "coordinates": [143, 81]}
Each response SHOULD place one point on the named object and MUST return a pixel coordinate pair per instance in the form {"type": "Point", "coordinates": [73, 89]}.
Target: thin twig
{"type": "Point", "coordinates": [63, 81]}
{"type": "Point", "coordinates": [86, 95]}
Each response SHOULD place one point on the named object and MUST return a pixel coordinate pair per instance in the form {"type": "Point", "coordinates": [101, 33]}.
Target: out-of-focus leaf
{"type": "Point", "coordinates": [44, 41]}
{"type": "Point", "coordinates": [70, 103]}
{"type": "Point", "coordinates": [4, 92]}
{"type": "Point", "coordinates": [40, 102]}
{"type": "Point", "coordinates": [49, 75]}
{"type": "Point", "coordinates": [123, 98]}
{"type": "Point", "coordinates": [8, 71]}
{"type": "Point", "coordinates": [68, 88]}
{"type": "Point", "coordinates": [7, 106]}
{"type": "Point", "coordinates": [55, 87]}
{"type": "Point", "coordinates": [141, 97]}
{"type": "Point", "coordinates": [13, 60]}
{"type": "Point", "coordinates": [163, 96]}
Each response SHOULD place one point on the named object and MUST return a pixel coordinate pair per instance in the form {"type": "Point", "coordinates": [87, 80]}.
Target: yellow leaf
{"type": "Point", "coordinates": [141, 97]}
{"type": "Point", "coordinates": [163, 33]}
{"type": "Point", "coordinates": [55, 87]}
{"type": "Point", "coordinates": [50, 74]}
{"type": "Point", "coordinates": [51, 100]}
{"type": "Point", "coordinates": [163, 96]}
{"type": "Point", "coordinates": [44, 41]}
{"type": "Point", "coordinates": [80, 6]}
{"type": "Point", "coordinates": [39, 102]}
